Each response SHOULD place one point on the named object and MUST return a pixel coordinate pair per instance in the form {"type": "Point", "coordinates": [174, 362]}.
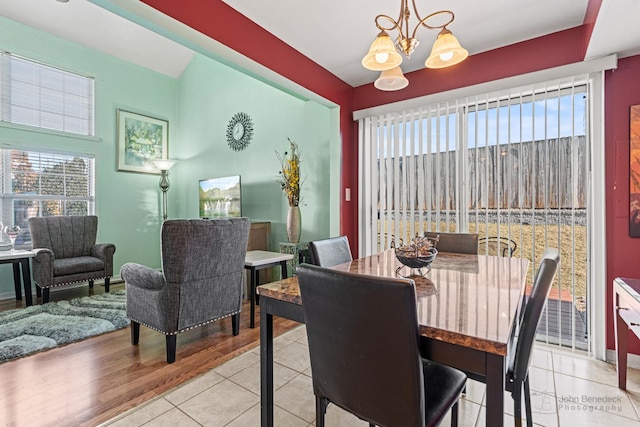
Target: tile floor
{"type": "Point", "coordinates": [567, 389]}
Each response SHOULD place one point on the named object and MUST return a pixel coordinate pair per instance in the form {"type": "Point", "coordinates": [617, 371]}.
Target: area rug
{"type": "Point", "coordinates": [28, 330]}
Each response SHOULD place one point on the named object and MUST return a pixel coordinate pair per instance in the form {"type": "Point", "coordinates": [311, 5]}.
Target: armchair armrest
{"type": "Point", "coordinates": [42, 266]}
{"type": "Point", "coordinates": [105, 252]}
{"type": "Point", "coordinates": [141, 276]}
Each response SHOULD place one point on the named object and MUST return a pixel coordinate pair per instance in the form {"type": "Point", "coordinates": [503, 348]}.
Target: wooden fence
{"type": "Point", "coordinates": [548, 174]}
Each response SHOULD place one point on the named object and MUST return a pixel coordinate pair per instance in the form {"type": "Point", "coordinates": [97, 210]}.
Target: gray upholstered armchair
{"type": "Point", "coordinates": [201, 279]}
{"type": "Point", "coordinates": [66, 252]}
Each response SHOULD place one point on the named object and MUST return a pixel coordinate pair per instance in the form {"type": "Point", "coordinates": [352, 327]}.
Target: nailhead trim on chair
{"type": "Point", "coordinates": [186, 329]}
{"type": "Point", "coordinates": [75, 281]}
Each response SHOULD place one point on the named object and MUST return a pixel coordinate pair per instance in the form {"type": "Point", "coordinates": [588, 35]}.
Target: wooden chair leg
{"type": "Point", "coordinates": [90, 284]}
{"type": "Point", "coordinates": [235, 324]}
{"type": "Point", "coordinates": [45, 295]}
{"type": "Point", "coordinates": [135, 332]}
{"type": "Point", "coordinates": [106, 284]}
{"type": "Point", "coordinates": [171, 348]}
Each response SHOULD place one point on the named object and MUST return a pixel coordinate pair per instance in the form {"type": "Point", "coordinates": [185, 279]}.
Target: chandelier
{"type": "Point", "coordinates": [384, 54]}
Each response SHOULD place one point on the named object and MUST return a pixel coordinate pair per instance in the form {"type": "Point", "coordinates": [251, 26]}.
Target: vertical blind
{"type": "Point", "coordinates": [38, 95]}
{"type": "Point", "coordinates": [512, 166]}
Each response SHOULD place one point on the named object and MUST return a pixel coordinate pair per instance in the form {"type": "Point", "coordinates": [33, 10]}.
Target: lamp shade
{"type": "Point", "coordinates": [391, 80]}
{"type": "Point", "coordinates": [446, 51]}
{"type": "Point", "coordinates": [382, 54]}
{"type": "Point", "coordinates": [164, 164]}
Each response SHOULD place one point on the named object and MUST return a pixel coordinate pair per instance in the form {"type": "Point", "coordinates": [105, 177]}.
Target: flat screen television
{"type": "Point", "coordinates": [220, 197]}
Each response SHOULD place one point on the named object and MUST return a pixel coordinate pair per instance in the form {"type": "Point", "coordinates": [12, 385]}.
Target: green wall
{"type": "Point", "coordinates": [198, 107]}
{"type": "Point", "coordinates": [209, 95]}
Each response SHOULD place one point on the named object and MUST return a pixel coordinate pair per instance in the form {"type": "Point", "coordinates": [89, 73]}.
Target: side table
{"type": "Point", "coordinates": [258, 260]}
{"type": "Point", "coordinates": [300, 252]}
{"type": "Point", "coordinates": [20, 259]}
{"type": "Point", "coordinates": [626, 318]}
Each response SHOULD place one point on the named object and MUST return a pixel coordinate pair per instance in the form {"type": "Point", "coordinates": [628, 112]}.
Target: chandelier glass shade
{"type": "Point", "coordinates": [446, 51]}
{"type": "Point", "coordinates": [384, 55]}
{"type": "Point", "coordinates": [392, 79]}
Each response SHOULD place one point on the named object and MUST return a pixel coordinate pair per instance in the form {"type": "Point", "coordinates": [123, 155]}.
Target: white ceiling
{"type": "Point", "coordinates": [97, 28]}
{"type": "Point", "coordinates": [336, 34]}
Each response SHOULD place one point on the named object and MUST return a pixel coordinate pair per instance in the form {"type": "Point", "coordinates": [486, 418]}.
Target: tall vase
{"type": "Point", "coordinates": [294, 224]}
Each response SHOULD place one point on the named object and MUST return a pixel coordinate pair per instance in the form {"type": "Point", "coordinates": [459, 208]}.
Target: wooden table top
{"type": "Point", "coordinates": [469, 300]}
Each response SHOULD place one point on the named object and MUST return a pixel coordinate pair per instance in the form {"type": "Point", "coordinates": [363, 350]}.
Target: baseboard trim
{"type": "Point", "coordinates": [633, 360]}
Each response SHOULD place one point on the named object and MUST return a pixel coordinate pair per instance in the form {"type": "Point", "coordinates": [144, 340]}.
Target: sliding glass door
{"type": "Point", "coordinates": [512, 166]}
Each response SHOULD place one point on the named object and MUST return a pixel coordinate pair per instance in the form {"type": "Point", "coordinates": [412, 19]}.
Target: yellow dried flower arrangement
{"type": "Point", "coordinates": [290, 173]}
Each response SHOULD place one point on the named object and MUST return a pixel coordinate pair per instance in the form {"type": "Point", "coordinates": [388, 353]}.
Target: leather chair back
{"type": "Point", "coordinates": [520, 358]}
{"type": "Point", "coordinates": [459, 243]}
{"type": "Point", "coordinates": [330, 252]}
{"type": "Point", "coordinates": [364, 344]}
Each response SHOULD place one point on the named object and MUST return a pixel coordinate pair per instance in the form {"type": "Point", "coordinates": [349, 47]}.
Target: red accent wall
{"type": "Point", "coordinates": [622, 90]}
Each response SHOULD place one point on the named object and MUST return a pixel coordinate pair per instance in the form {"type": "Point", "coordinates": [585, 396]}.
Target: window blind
{"type": "Point", "coordinates": [38, 95]}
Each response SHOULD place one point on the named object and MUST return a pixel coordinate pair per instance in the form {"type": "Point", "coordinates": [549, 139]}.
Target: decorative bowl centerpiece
{"type": "Point", "coordinates": [419, 254]}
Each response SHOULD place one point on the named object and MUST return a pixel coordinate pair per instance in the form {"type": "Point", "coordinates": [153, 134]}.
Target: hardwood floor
{"type": "Point", "coordinates": [91, 381]}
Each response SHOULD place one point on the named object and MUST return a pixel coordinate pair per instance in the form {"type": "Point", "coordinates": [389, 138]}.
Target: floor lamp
{"type": "Point", "coordinates": [164, 165]}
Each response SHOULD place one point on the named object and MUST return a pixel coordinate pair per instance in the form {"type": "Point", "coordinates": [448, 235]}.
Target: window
{"type": "Point", "coordinates": [34, 94]}
{"type": "Point", "coordinates": [44, 184]}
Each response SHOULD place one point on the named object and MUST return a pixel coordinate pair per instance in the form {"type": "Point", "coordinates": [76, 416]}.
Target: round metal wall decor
{"type": "Point", "coordinates": [239, 131]}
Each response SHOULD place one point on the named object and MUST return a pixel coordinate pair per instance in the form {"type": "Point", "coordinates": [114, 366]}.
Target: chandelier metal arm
{"type": "Point", "coordinates": [404, 16]}
{"type": "Point", "coordinates": [394, 24]}
{"type": "Point", "coordinates": [423, 21]}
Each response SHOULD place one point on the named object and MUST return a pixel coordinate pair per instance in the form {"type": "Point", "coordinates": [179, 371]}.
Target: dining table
{"type": "Point", "coordinates": [468, 306]}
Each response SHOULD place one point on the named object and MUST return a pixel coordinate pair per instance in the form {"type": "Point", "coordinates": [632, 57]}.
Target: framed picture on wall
{"type": "Point", "coordinates": [140, 140]}
{"type": "Point", "coordinates": [634, 172]}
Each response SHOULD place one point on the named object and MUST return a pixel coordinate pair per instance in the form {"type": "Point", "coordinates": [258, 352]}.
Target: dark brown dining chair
{"type": "Point", "coordinates": [330, 252]}
{"type": "Point", "coordinates": [459, 243]}
{"type": "Point", "coordinates": [524, 334]}
{"type": "Point", "coordinates": [365, 358]}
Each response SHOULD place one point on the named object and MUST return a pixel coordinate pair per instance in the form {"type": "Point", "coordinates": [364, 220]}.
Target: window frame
{"type": "Point", "coordinates": [8, 197]}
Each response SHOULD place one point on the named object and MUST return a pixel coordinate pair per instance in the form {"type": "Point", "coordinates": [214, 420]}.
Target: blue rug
{"type": "Point", "coordinates": [28, 330]}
